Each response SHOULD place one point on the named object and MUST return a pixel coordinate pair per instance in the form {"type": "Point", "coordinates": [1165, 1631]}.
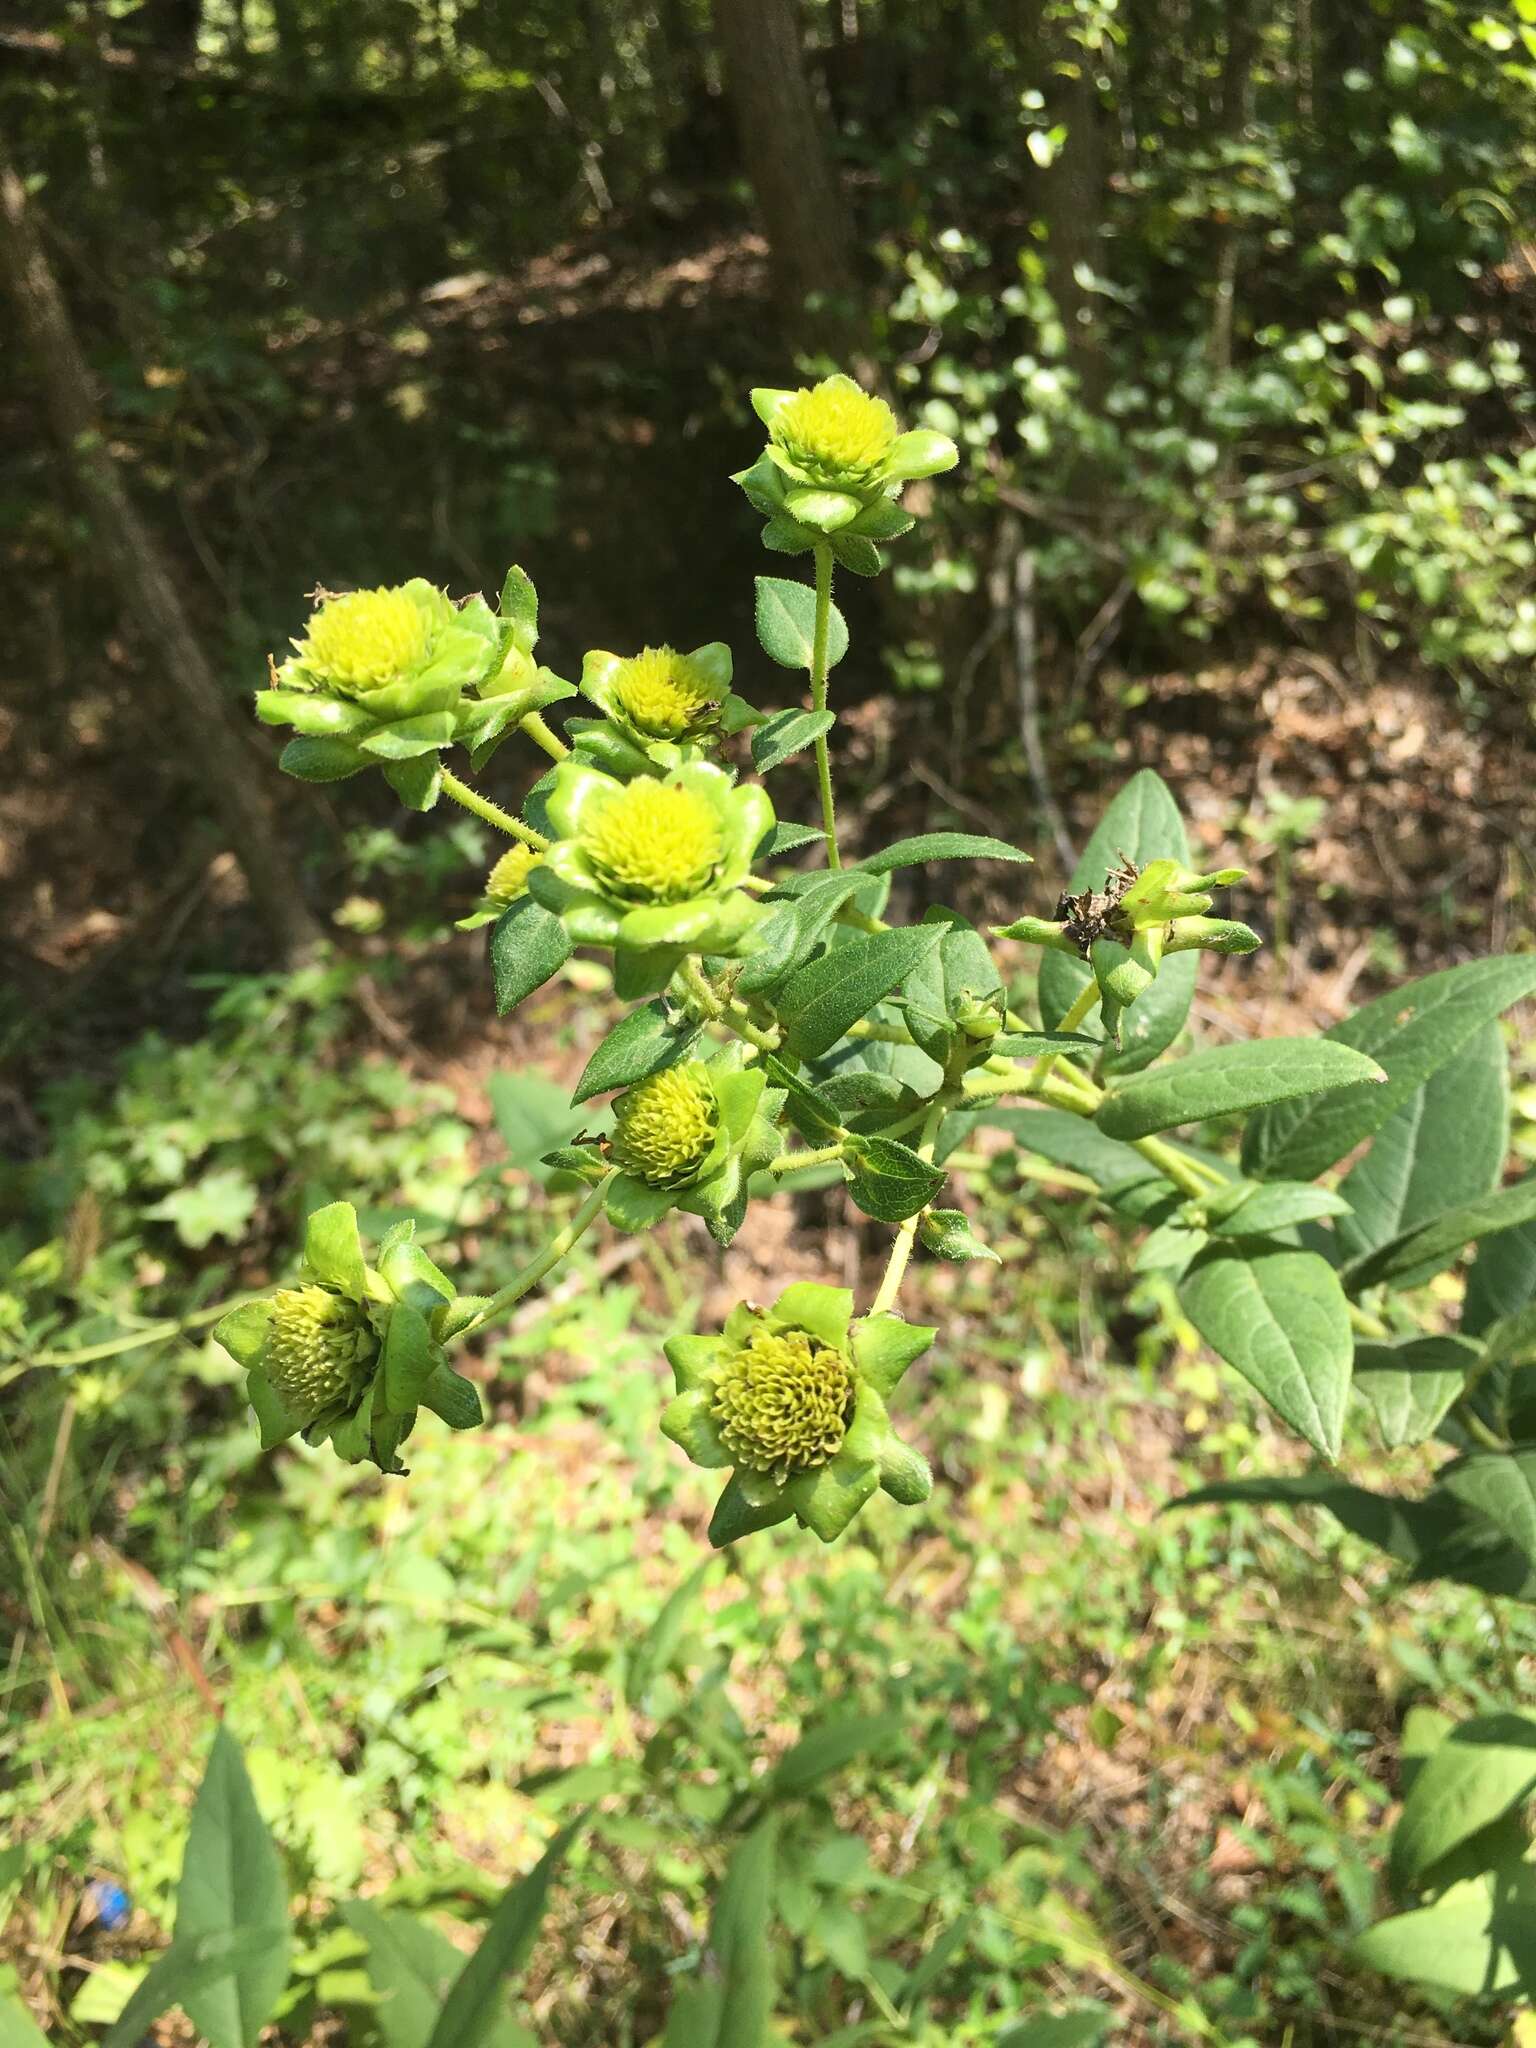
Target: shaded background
{"type": "Point", "coordinates": [1230, 306]}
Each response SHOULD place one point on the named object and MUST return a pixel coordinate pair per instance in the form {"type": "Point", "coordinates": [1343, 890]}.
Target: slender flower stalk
{"type": "Point", "coordinates": [524, 1282]}
{"type": "Point", "coordinates": [493, 814]}
{"type": "Point", "coordinates": [823, 555]}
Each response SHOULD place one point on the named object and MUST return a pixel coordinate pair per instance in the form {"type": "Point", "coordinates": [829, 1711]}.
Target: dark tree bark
{"type": "Point", "coordinates": [224, 765]}
{"type": "Point", "coordinates": [788, 156]}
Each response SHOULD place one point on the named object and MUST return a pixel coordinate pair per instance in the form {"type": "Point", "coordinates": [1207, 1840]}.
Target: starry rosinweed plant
{"type": "Point", "coordinates": [781, 1020]}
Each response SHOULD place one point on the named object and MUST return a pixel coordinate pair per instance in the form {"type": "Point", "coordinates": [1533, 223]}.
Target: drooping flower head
{"type": "Point", "coordinates": [318, 1350]}
{"type": "Point", "coordinates": [691, 1137]}
{"type": "Point", "coordinates": [349, 1354]}
{"type": "Point", "coordinates": [653, 867]}
{"type": "Point", "coordinates": [793, 1398]}
{"type": "Point", "coordinates": [664, 1126]}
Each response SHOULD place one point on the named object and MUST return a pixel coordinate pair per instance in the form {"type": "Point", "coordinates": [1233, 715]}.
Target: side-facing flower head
{"type": "Point", "coordinates": [506, 884]}
{"type": "Point", "coordinates": [660, 708]}
{"type": "Point", "coordinates": [835, 463]}
{"type": "Point", "coordinates": [793, 1399]}
{"type": "Point", "coordinates": [691, 1137]}
{"type": "Point", "coordinates": [653, 867]}
{"type": "Point", "coordinates": [350, 1353]}
{"type": "Point", "coordinates": [389, 677]}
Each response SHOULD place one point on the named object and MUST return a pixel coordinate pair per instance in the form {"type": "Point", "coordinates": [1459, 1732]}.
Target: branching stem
{"type": "Point", "coordinates": [906, 1236]}
{"type": "Point", "coordinates": [543, 736]}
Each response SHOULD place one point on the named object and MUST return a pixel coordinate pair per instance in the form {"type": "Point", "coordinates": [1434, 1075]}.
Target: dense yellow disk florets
{"type": "Point", "coordinates": [317, 1345]}
{"type": "Point", "coordinates": [654, 842]}
{"type": "Point", "coordinates": [663, 1127]}
{"type": "Point", "coordinates": [836, 432]}
{"type": "Point", "coordinates": [509, 878]}
{"type": "Point", "coordinates": [662, 692]}
{"type": "Point", "coordinates": [782, 1402]}
{"type": "Point", "coordinates": [366, 639]}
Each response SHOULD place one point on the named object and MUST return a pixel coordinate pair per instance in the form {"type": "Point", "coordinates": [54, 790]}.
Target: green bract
{"type": "Point", "coordinates": [659, 707]}
{"type": "Point", "coordinates": [793, 1398]}
{"type": "Point", "coordinates": [835, 464]}
{"type": "Point", "coordinates": [691, 1137]}
{"type": "Point", "coordinates": [652, 867]}
{"type": "Point", "coordinates": [351, 1353]}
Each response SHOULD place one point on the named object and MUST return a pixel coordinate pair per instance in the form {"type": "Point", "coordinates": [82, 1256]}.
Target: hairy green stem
{"type": "Point", "coordinates": [906, 1236]}
{"type": "Point", "coordinates": [493, 814]}
{"type": "Point", "coordinates": [1076, 1014]}
{"type": "Point", "coordinates": [795, 1162]}
{"type": "Point", "coordinates": [156, 1333]}
{"type": "Point", "coordinates": [542, 736]}
{"type": "Point", "coordinates": [819, 697]}
{"type": "Point", "coordinates": [550, 1257]}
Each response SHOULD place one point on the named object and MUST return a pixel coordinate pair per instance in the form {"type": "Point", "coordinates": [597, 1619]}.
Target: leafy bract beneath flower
{"type": "Point", "coordinates": [653, 867]}
{"type": "Point", "coordinates": [793, 1398]}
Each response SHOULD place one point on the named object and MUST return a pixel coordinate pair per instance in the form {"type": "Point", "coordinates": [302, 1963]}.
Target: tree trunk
{"type": "Point", "coordinates": [223, 764]}
{"type": "Point", "coordinates": [788, 156]}
{"type": "Point", "coordinates": [1074, 186]}
{"type": "Point", "coordinates": [1236, 110]}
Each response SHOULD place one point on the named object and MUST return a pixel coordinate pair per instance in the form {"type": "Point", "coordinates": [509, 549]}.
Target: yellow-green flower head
{"type": "Point", "coordinates": [793, 1398]}
{"type": "Point", "coordinates": [835, 433]}
{"type": "Point", "coordinates": [664, 1127]}
{"type": "Point", "coordinates": [653, 867]}
{"type": "Point", "coordinates": [653, 842]}
{"type": "Point", "coordinates": [782, 1401]}
{"type": "Point", "coordinates": [318, 1348]}
{"type": "Point", "coordinates": [366, 639]}
{"type": "Point", "coordinates": [509, 878]}
{"type": "Point", "coordinates": [664, 694]}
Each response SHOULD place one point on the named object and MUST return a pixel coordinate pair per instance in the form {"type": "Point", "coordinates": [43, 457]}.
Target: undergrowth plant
{"type": "Point", "coordinates": [782, 1021]}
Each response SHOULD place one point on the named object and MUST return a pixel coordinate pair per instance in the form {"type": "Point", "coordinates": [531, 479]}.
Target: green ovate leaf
{"type": "Point", "coordinates": [1411, 1033]}
{"type": "Point", "coordinates": [1280, 1317]}
{"type": "Point", "coordinates": [831, 1747]}
{"type": "Point", "coordinates": [1227, 1078]}
{"type": "Point", "coordinates": [813, 1116]}
{"type": "Point", "coordinates": [817, 1005]}
{"type": "Point", "coordinates": [888, 1180]}
{"type": "Point", "coordinates": [1502, 1281]}
{"type": "Point", "coordinates": [910, 853]}
{"type": "Point", "coordinates": [1430, 1245]}
{"type": "Point", "coordinates": [1484, 1767]}
{"type": "Point", "coordinates": [646, 1042]}
{"type": "Point", "coordinates": [1476, 1938]}
{"type": "Point", "coordinates": [232, 1885]}
{"type": "Point", "coordinates": [1476, 1525]}
{"type": "Point", "coordinates": [1408, 1387]}
{"type": "Point", "coordinates": [1141, 825]}
{"type": "Point", "coordinates": [1445, 1146]}
{"type": "Point", "coordinates": [786, 624]}
{"type": "Point", "coordinates": [474, 2005]}
{"type": "Point", "coordinates": [1260, 1208]}
{"type": "Point", "coordinates": [410, 1966]}
{"type": "Point", "coordinates": [784, 838]}
{"type": "Point", "coordinates": [947, 1233]}
{"type": "Point", "coordinates": [528, 945]}
{"type": "Point", "coordinates": [787, 733]}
